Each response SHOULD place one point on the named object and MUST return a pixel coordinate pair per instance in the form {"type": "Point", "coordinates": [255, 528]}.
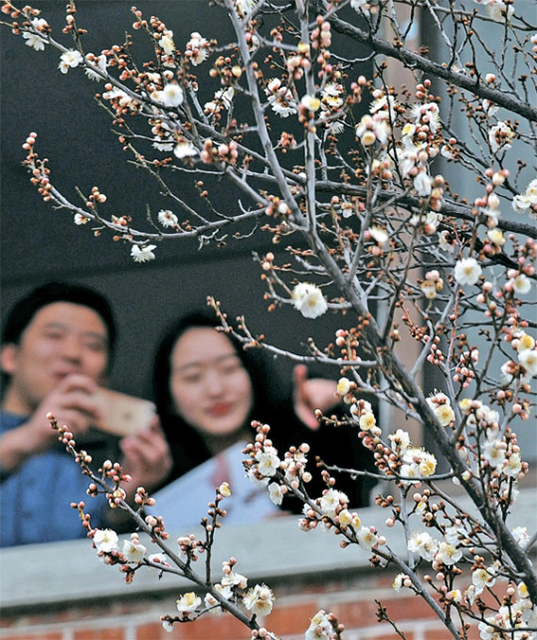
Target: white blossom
{"type": "Point", "coordinates": [212, 603]}
{"type": "Point", "coordinates": [69, 60]}
{"type": "Point", "coordinates": [233, 579]}
{"type": "Point", "coordinates": [281, 98]}
{"type": "Point", "coordinates": [222, 100]}
{"type": "Point", "coordinates": [447, 553]}
{"type": "Point", "coordinates": [384, 107]}
{"type": "Point", "coordinates": [524, 201]}
{"type": "Point", "coordinates": [34, 40]}
{"type": "Point", "coordinates": [320, 628]}
{"type": "Point", "coordinates": [489, 108]}
{"type": "Point", "coordinates": [423, 184]}
{"type": "Point", "coordinates": [244, 6]}
{"type": "Point", "coordinates": [167, 218]}
{"type": "Point", "coordinates": [97, 61]}
{"type": "Point", "coordinates": [167, 625]}
{"type": "Point", "coordinates": [467, 271]}
{"type": "Point", "coordinates": [372, 129]}
{"type": "Point", "coordinates": [143, 254]}
{"type": "Point", "coordinates": [184, 150]}
{"type": "Point", "coordinates": [445, 414]}
{"type": "Point", "coordinates": [312, 103]}
{"type": "Point", "coordinates": [197, 45]}
{"type": "Point", "coordinates": [162, 144]}
{"type": "Point", "coordinates": [496, 237]}
{"type": "Point", "coordinates": [367, 421]}
{"type": "Point", "coordinates": [513, 465]}
{"type": "Point", "coordinates": [525, 341]}
{"type": "Point", "coordinates": [123, 98]}
{"type": "Point", "coordinates": [171, 96]}
{"type": "Point", "coordinates": [423, 544]}
{"type": "Point", "coordinates": [331, 95]}
{"type": "Point", "coordinates": [428, 114]}
{"type": "Point", "coordinates": [399, 579]}
{"type": "Point", "coordinates": [268, 461]}
{"type": "Point", "coordinates": [259, 600]}
{"type": "Point", "coordinates": [493, 453]}
{"type": "Point", "coordinates": [366, 538]}
{"type": "Point", "coordinates": [506, 376]}
{"type": "Point", "coordinates": [455, 595]}
{"type": "Point", "coordinates": [521, 284]}
{"type": "Point", "coordinates": [444, 241]}
{"type": "Point", "coordinates": [343, 386]}
{"type": "Point", "coordinates": [528, 359]}
{"type": "Point", "coordinates": [80, 219]}
{"type": "Point", "coordinates": [497, 9]}
{"type": "Point", "coordinates": [309, 300]}
{"type": "Point", "coordinates": [105, 540]}
{"type": "Point", "coordinates": [360, 5]}
{"type": "Point", "coordinates": [331, 500]}
{"type": "Point", "coordinates": [275, 493]}
{"type": "Point", "coordinates": [167, 43]}
{"type": "Point", "coordinates": [428, 288]}
{"type": "Point", "coordinates": [378, 234]}
{"type": "Point", "coordinates": [482, 578]}
{"type": "Point", "coordinates": [400, 441]}
{"type": "Point", "coordinates": [500, 137]}
{"type": "Point", "coordinates": [188, 602]}
{"type": "Point", "coordinates": [452, 535]}
{"type": "Point", "coordinates": [224, 490]}
{"type": "Point", "coordinates": [417, 463]}
{"type": "Point", "coordinates": [133, 550]}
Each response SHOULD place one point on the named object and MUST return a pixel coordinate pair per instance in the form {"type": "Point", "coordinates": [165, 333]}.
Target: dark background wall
{"type": "Point", "coordinates": [40, 243]}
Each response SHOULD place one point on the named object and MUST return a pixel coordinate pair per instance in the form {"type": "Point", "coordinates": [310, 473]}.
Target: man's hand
{"type": "Point", "coordinates": [312, 394]}
{"type": "Point", "coordinates": [73, 404]}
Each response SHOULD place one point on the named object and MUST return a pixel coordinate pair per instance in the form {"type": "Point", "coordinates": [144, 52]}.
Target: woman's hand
{"type": "Point", "coordinates": [312, 394]}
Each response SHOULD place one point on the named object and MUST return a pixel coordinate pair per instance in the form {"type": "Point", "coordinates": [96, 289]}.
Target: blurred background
{"type": "Point", "coordinates": [40, 243]}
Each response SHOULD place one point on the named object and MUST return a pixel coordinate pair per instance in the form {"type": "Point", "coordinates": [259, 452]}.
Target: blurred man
{"type": "Point", "coordinates": [57, 346]}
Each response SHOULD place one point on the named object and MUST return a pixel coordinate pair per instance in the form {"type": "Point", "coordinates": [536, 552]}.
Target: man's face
{"type": "Point", "coordinates": [63, 338]}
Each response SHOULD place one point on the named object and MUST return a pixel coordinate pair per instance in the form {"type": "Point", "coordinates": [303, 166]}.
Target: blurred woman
{"type": "Point", "coordinates": [208, 389]}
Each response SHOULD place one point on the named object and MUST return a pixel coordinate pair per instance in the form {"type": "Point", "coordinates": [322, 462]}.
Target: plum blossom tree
{"type": "Point", "coordinates": [357, 176]}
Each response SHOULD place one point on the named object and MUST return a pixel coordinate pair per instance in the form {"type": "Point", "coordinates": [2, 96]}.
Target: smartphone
{"type": "Point", "coordinates": [123, 414]}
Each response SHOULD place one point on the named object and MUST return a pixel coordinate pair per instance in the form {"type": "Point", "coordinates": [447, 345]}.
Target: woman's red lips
{"type": "Point", "coordinates": [220, 409]}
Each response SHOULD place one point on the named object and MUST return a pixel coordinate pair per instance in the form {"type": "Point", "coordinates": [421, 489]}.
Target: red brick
{"type": "Point", "coordinates": [155, 631]}
{"type": "Point", "coordinates": [115, 633]}
{"type": "Point", "coordinates": [355, 614]}
{"type": "Point", "coordinates": [33, 635]}
{"type": "Point", "coordinates": [211, 627]}
{"type": "Point", "coordinates": [291, 619]}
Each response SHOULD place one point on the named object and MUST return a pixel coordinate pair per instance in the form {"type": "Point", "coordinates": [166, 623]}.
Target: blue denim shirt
{"type": "Point", "coordinates": [35, 500]}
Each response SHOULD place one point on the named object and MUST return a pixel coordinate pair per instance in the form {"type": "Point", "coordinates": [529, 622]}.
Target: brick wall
{"type": "Point", "coordinates": [63, 591]}
{"type": "Point", "coordinates": [352, 601]}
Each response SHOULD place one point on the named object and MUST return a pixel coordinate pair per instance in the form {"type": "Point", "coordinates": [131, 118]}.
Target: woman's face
{"type": "Point", "coordinates": [209, 385]}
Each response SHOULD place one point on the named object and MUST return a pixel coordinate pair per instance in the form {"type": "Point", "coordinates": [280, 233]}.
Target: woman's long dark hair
{"type": "Point", "coordinates": [271, 404]}
{"type": "Point", "coordinates": [187, 444]}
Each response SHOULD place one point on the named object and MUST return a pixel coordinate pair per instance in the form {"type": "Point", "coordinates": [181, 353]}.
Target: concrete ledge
{"type": "Point", "coordinates": [35, 577]}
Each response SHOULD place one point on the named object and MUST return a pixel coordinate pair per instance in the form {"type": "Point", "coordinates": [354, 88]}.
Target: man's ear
{"type": "Point", "coordinates": [8, 358]}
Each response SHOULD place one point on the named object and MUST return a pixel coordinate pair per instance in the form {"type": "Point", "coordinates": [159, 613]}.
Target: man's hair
{"type": "Point", "coordinates": [24, 311]}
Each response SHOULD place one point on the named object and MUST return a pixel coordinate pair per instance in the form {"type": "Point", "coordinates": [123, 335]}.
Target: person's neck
{"type": "Point", "coordinates": [218, 443]}
{"type": "Point", "coordinates": [14, 403]}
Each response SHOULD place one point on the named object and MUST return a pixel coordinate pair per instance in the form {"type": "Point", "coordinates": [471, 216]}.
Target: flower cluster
{"type": "Point", "coordinates": [309, 300]}
{"type": "Point", "coordinates": [527, 201]}
{"type": "Point", "coordinates": [111, 550]}
{"type": "Point", "coordinates": [413, 463]}
{"type": "Point", "coordinates": [323, 626]}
